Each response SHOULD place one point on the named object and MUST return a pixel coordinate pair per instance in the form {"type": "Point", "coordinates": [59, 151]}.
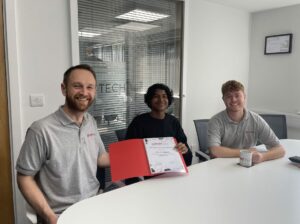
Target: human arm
{"type": "Point", "coordinates": [223, 139]}
{"type": "Point", "coordinates": [215, 138]}
{"type": "Point", "coordinates": [267, 136]}
{"type": "Point", "coordinates": [133, 130]}
{"type": "Point", "coordinates": [257, 157]}
{"type": "Point", "coordinates": [182, 145]}
{"type": "Point", "coordinates": [30, 160]}
{"type": "Point", "coordinates": [103, 160]}
{"type": "Point", "coordinates": [224, 152]}
{"type": "Point", "coordinates": [36, 198]}
{"type": "Point", "coordinates": [103, 157]}
{"type": "Point", "coordinates": [272, 153]}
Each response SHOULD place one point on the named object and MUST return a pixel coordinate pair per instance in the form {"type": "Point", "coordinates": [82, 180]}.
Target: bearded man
{"type": "Point", "coordinates": [58, 160]}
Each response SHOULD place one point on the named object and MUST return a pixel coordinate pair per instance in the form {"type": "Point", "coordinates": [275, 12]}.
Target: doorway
{"type": "Point", "coordinates": [6, 193]}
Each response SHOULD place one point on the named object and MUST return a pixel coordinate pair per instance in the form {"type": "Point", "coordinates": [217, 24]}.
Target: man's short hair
{"type": "Point", "coordinates": [81, 66]}
{"type": "Point", "coordinates": [151, 92]}
{"type": "Point", "coordinates": [232, 85]}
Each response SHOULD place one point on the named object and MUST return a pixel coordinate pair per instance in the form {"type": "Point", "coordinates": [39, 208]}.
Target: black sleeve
{"type": "Point", "coordinates": [181, 137]}
{"type": "Point", "coordinates": [132, 131]}
{"type": "Point", "coordinates": [188, 156]}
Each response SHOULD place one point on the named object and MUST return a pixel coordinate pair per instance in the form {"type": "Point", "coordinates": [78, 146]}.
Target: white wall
{"type": "Point", "coordinates": [274, 79]}
{"type": "Point", "coordinates": [38, 36]}
{"type": "Point", "coordinates": [216, 49]}
{"type": "Point", "coordinates": [39, 51]}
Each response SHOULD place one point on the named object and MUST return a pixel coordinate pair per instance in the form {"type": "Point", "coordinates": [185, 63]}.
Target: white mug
{"type": "Point", "coordinates": [245, 158]}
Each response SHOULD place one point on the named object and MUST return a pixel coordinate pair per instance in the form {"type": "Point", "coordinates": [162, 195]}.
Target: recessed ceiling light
{"type": "Point", "coordinates": [87, 34]}
{"type": "Point", "coordinates": [91, 32]}
{"type": "Point", "coordinates": [142, 16]}
{"type": "Point", "coordinates": [134, 26]}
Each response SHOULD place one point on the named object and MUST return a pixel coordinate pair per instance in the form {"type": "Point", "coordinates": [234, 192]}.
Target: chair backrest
{"type": "Point", "coordinates": [103, 173]}
{"type": "Point", "coordinates": [277, 123]}
{"type": "Point", "coordinates": [30, 214]}
{"type": "Point", "coordinates": [110, 117]}
{"type": "Point", "coordinates": [121, 134]}
{"type": "Point", "coordinates": [201, 129]}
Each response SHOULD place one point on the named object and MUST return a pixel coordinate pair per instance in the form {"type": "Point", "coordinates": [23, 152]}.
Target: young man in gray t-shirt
{"type": "Point", "coordinates": [236, 128]}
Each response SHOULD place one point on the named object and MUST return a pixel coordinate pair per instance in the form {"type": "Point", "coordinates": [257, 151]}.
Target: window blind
{"type": "Point", "coordinates": [130, 45]}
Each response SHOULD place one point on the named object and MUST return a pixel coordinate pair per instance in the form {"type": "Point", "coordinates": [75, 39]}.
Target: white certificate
{"type": "Point", "coordinates": [163, 156]}
{"type": "Point", "coordinates": [278, 44]}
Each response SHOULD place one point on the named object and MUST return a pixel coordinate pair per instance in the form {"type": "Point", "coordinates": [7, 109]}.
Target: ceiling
{"type": "Point", "coordinates": [101, 14]}
{"type": "Point", "coordinates": [256, 5]}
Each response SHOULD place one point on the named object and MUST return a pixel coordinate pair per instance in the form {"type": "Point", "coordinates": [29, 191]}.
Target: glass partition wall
{"type": "Point", "coordinates": [131, 45]}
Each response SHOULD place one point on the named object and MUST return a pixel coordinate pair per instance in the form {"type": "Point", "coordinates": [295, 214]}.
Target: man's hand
{"type": "Point", "coordinates": [53, 220]}
{"type": "Point", "coordinates": [257, 157]}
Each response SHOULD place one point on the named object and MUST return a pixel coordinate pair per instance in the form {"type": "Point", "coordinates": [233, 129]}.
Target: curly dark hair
{"type": "Point", "coordinates": [151, 92]}
{"type": "Point", "coordinates": [81, 66]}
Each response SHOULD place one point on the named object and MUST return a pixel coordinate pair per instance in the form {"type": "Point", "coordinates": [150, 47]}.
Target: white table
{"type": "Point", "coordinates": [215, 192]}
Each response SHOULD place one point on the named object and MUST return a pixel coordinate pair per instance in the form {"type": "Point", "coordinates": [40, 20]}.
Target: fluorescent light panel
{"type": "Point", "coordinates": [134, 26]}
{"type": "Point", "coordinates": [87, 34]}
{"type": "Point", "coordinates": [91, 32]}
{"type": "Point", "coordinates": [142, 16]}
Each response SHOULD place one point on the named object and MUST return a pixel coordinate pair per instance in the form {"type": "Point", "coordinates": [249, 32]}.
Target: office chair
{"type": "Point", "coordinates": [103, 174]}
{"type": "Point", "coordinates": [30, 214]}
{"type": "Point", "coordinates": [201, 129]}
{"type": "Point", "coordinates": [277, 123]}
{"type": "Point", "coordinates": [110, 117]}
{"type": "Point", "coordinates": [121, 134]}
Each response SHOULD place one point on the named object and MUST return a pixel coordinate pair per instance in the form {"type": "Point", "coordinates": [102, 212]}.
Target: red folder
{"type": "Point", "coordinates": [128, 159]}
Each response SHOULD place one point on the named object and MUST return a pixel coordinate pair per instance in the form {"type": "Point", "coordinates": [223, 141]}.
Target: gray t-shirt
{"type": "Point", "coordinates": [63, 158]}
{"type": "Point", "coordinates": [222, 131]}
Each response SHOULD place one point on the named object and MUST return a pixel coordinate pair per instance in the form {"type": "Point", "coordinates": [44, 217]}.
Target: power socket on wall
{"type": "Point", "coordinates": [37, 100]}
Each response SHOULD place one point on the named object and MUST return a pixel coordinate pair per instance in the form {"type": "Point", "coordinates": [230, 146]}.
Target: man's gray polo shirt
{"type": "Point", "coordinates": [222, 131]}
{"type": "Point", "coordinates": [63, 158]}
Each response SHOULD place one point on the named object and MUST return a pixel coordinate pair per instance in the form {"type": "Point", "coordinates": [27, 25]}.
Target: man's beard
{"type": "Point", "coordinates": [74, 104]}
